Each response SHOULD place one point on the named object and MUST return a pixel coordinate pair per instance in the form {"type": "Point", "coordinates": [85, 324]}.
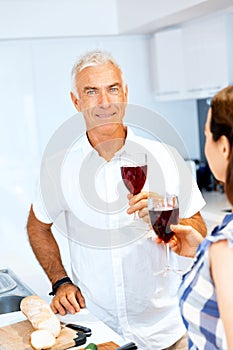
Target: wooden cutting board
{"type": "Point", "coordinates": [16, 337]}
{"type": "Point", "coordinates": [105, 346]}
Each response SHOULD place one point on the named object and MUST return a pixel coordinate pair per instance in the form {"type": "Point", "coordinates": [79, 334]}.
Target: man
{"type": "Point", "coordinates": [120, 285]}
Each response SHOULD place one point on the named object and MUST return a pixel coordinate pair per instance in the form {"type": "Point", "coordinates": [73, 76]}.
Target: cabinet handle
{"type": "Point", "coordinates": [195, 89]}
{"type": "Point", "coordinates": [205, 88]}
{"type": "Point", "coordinates": [213, 88]}
{"type": "Point", "coordinates": [167, 93]}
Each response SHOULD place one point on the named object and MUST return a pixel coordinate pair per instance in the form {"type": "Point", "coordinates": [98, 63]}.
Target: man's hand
{"type": "Point", "coordinates": [138, 203]}
{"type": "Point", "coordinates": [185, 241]}
{"type": "Point", "coordinates": [68, 298]}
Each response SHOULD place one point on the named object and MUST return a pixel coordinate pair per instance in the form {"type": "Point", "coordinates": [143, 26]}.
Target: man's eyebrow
{"type": "Point", "coordinates": [115, 84]}
{"type": "Point", "coordinates": [86, 88]}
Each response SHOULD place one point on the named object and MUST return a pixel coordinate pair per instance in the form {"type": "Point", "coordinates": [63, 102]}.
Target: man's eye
{"type": "Point", "coordinates": [114, 90]}
{"type": "Point", "coordinates": [91, 92]}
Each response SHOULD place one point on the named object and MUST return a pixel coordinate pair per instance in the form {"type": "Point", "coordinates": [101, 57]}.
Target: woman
{"type": "Point", "coordinates": [206, 292]}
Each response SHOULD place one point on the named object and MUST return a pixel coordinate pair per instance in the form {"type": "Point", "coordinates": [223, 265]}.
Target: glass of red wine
{"type": "Point", "coordinates": [164, 211]}
{"type": "Point", "coordinates": [134, 172]}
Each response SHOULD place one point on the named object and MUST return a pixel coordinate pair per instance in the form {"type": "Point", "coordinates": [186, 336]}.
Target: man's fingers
{"type": "Point", "coordinates": [137, 197]}
{"type": "Point", "coordinates": [158, 240]}
{"type": "Point", "coordinates": [68, 298]}
{"type": "Point", "coordinates": [143, 214]}
{"type": "Point", "coordinates": [66, 303]}
{"type": "Point", "coordinates": [142, 204]}
{"type": "Point", "coordinates": [80, 298]}
{"type": "Point", "coordinates": [57, 307]}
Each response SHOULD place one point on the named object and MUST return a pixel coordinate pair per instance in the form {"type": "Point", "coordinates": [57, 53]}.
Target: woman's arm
{"type": "Point", "coordinates": [221, 265]}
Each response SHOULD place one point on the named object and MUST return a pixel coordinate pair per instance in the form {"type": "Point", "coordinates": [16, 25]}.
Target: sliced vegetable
{"type": "Point", "coordinates": [91, 346]}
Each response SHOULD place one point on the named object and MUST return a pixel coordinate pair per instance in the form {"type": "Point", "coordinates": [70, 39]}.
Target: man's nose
{"type": "Point", "coordinates": [104, 99]}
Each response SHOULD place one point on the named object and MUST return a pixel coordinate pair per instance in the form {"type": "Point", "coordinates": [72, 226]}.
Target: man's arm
{"type": "Point", "coordinates": [185, 241]}
{"type": "Point", "coordinates": [197, 222]}
{"type": "Point", "coordinates": [68, 296]}
{"type": "Point", "coordinates": [45, 248]}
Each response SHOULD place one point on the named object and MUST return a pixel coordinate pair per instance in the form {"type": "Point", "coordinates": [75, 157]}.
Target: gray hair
{"type": "Point", "coordinates": [90, 59]}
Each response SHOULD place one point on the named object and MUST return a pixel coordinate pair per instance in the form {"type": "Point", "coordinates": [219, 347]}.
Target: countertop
{"type": "Point", "coordinates": [217, 206]}
{"type": "Point", "coordinates": [100, 332]}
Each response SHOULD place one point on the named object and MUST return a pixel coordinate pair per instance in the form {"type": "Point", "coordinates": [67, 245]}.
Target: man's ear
{"type": "Point", "coordinates": [126, 92]}
{"type": "Point", "coordinates": [225, 146]}
{"type": "Point", "coordinates": [75, 101]}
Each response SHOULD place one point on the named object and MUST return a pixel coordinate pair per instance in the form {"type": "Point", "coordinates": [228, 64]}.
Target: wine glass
{"type": "Point", "coordinates": [134, 172]}
{"type": "Point", "coordinates": [164, 211]}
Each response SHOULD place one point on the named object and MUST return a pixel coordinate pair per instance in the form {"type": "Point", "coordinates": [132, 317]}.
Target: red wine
{"type": "Point", "coordinates": [134, 177]}
{"type": "Point", "coordinates": [161, 221]}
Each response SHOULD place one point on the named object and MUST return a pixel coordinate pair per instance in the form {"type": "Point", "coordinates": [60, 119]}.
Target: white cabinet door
{"type": "Point", "coordinates": [206, 56]}
{"type": "Point", "coordinates": [168, 60]}
{"type": "Point", "coordinates": [195, 60]}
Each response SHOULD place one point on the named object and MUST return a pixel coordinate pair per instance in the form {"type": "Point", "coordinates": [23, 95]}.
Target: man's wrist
{"type": "Point", "coordinates": [60, 282]}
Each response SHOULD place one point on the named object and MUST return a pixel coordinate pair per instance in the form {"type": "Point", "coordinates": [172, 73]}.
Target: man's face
{"type": "Point", "coordinates": [102, 97]}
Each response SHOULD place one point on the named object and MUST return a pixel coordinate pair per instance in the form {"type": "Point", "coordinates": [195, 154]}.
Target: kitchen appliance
{"type": "Point", "coordinates": [12, 291]}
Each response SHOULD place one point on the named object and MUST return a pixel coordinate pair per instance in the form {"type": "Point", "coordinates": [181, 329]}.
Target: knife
{"type": "Point", "coordinates": [78, 328]}
{"type": "Point", "coordinates": [79, 340]}
{"type": "Point", "coordinates": [128, 346]}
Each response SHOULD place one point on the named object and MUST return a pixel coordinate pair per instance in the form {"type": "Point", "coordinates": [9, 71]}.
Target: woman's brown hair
{"type": "Point", "coordinates": [222, 124]}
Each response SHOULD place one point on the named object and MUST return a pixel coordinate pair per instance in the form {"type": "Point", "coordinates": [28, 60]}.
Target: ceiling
{"type": "Point", "coordinates": [149, 16]}
{"type": "Point", "coordinates": [21, 19]}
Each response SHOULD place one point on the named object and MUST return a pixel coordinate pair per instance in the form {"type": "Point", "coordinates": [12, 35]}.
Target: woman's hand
{"type": "Point", "coordinates": [185, 241]}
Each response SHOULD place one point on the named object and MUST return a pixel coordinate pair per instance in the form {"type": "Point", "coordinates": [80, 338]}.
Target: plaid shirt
{"type": "Point", "coordinates": [198, 300]}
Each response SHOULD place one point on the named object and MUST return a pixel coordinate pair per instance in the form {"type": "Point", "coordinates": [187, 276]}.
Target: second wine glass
{"type": "Point", "coordinates": [134, 172]}
{"type": "Point", "coordinates": [163, 212]}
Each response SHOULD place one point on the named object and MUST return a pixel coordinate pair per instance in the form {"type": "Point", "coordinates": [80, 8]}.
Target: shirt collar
{"type": "Point", "coordinates": [87, 147]}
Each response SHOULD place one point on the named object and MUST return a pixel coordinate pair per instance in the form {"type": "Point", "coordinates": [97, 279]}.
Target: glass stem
{"type": "Point", "coordinates": [167, 248]}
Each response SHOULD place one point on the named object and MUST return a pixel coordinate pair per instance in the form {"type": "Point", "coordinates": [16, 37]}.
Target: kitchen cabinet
{"type": "Point", "coordinates": [197, 55]}
{"type": "Point", "coordinates": [168, 73]}
{"type": "Point", "coordinates": [207, 56]}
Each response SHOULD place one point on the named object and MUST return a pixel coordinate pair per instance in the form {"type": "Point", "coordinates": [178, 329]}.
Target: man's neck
{"type": "Point", "coordinates": [107, 145]}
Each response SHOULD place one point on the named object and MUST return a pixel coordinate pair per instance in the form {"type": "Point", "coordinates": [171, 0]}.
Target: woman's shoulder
{"type": "Point", "coordinates": [223, 231]}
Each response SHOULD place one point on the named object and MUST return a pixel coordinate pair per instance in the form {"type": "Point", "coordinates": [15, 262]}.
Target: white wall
{"type": "Point", "coordinates": [34, 99]}
{"type": "Point", "coordinates": [182, 115]}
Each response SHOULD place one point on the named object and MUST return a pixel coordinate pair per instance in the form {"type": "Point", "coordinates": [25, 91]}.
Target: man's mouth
{"type": "Point", "coordinates": [105, 115]}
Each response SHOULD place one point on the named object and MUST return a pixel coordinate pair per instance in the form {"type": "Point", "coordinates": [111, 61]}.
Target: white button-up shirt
{"type": "Point", "coordinates": [114, 261]}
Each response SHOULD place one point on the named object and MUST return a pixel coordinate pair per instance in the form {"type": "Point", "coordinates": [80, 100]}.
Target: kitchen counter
{"type": "Point", "coordinates": [100, 332]}
{"type": "Point", "coordinates": [217, 206]}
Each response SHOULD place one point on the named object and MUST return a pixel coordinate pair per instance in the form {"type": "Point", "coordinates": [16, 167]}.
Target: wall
{"type": "Point", "coordinates": [34, 99]}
